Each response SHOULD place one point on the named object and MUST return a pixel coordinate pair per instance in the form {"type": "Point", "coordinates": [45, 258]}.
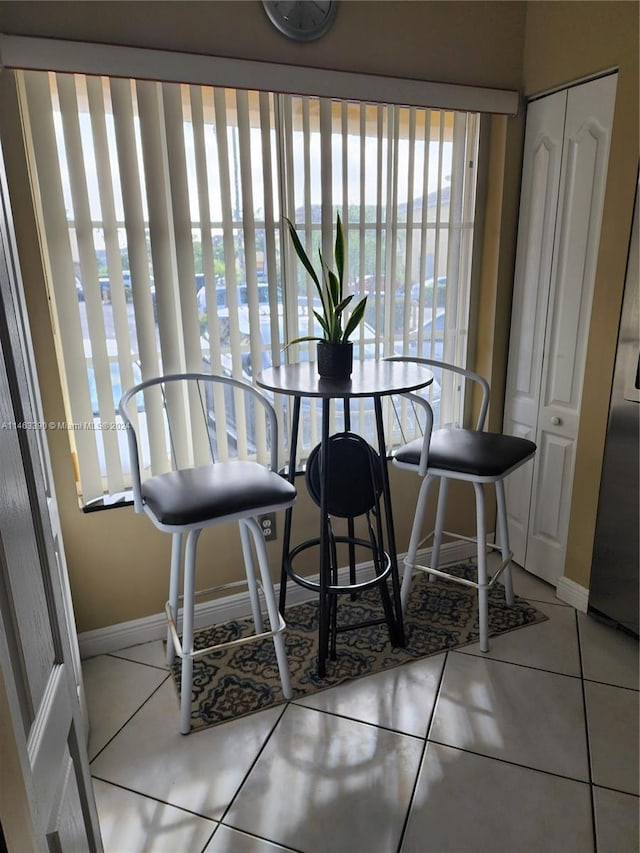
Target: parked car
{"type": "Point", "coordinates": [243, 296]}
{"type": "Point", "coordinates": [431, 336]}
{"type": "Point", "coordinates": [428, 285]}
{"type": "Point", "coordinates": [201, 298]}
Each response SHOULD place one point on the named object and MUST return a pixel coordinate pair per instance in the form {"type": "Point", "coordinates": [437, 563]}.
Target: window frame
{"type": "Point", "coordinates": [285, 253]}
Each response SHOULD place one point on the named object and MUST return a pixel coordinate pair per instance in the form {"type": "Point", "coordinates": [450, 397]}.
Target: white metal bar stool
{"type": "Point", "coordinates": [477, 457]}
{"type": "Point", "coordinates": [173, 440]}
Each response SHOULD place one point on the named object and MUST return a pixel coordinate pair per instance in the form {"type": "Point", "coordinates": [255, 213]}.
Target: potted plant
{"type": "Point", "coordinates": [335, 350]}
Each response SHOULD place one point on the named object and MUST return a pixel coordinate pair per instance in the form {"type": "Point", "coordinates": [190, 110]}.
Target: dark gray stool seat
{"type": "Point", "coordinates": [197, 495]}
{"type": "Point", "coordinates": [466, 452]}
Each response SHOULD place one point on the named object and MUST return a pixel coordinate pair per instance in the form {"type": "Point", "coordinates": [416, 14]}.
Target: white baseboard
{"type": "Point", "coordinates": [572, 593]}
{"type": "Point", "coordinates": [114, 638]}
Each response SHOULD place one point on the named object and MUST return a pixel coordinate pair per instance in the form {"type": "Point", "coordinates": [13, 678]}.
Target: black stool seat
{"type": "Point", "coordinates": [469, 452]}
{"type": "Point", "coordinates": [195, 495]}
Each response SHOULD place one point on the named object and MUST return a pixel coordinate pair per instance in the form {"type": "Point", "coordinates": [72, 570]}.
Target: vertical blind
{"type": "Point", "coordinates": [162, 207]}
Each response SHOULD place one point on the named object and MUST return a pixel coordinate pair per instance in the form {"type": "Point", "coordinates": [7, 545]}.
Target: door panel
{"type": "Point", "coordinates": [518, 496]}
{"type": "Point", "coordinates": [582, 186]}
{"type": "Point", "coordinates": [550, 517]}
{"type": "Point", "coordinates": [538, 207]}
{"type": "Point", "coordinates": [30, 617]}
{"type": "Point", "coordinates": [574, 271]}
{"type": "Point", "coordinates": [69, 832]}
{"type": "Point", "coordinates": [37, 632]}
{"type": "Point", "coordinates": [564, 177]}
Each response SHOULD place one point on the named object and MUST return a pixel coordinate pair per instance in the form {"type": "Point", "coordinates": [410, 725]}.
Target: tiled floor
{"type": "Point", "coordinates": [532, 747]}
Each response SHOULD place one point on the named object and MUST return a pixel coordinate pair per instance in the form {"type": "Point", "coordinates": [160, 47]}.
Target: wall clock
{"type": "Point", "coordinates": [301, 20]}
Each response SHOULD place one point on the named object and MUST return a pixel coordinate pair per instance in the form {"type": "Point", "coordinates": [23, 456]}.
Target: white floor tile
{"type": "Point", "coordinates": [115, 689]}
{"type": "Point", "coordinates": [130, 823]}
{"type": "Point", "coordinates": [469, 803]}
{"type": "Point", "coordinates": [527, 585]}
{"type": "Point", "coordinates": [227, 840]}
{"type": "Point", "coordinates": [338, 771]}
{"type": "Point", "coordinates": [608, 655]}
{"type": "Point", "coordinates": [200, 772]}
{"type": "Point", "coordinates": [153, 653]}
{"type": "Point", "coordinates": [400, 699]}
{"type": "Point", "coordinates": [612, 716]}
{"type": "Point", "coordinates": [514, 713]}
{"type": "Point", "coordinates": [550, 645]}
{"type": "Point", "coordinates": [325, 783]}
{"type": "Point", "coordinates": [616, 821]}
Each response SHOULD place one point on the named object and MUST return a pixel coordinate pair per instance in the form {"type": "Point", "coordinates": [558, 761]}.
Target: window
{"type": "Point", "coordinates": [162, 207]}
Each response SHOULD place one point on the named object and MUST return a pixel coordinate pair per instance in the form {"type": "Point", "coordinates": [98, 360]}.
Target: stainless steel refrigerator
{"type": "Point", "coordinates": [614, 588]}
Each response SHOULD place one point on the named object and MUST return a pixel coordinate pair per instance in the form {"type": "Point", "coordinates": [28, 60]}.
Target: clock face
{"type": "Point", "coordinates": [301, 20]}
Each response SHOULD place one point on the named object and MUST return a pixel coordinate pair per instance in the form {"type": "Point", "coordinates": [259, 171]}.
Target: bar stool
{"type": "Point", "coordinates": [190, 490]}
{"type": "Point", "coordinates": [476, 457]}
{"type": "Point", "coordinates": [354, 490]}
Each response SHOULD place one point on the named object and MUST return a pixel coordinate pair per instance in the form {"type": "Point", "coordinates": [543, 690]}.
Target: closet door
{"type": "Point", "coordinates": [536, 230]}
{"type": "Point", "coordinates": [556, 353]}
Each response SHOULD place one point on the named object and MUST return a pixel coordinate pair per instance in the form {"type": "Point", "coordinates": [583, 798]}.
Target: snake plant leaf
{"type": "Point", "coordinates": [302, 255]}
{"type": "Point", "coordinates": [339, 253]}
{"type": "Point", "coordinates": [302, 340]}
{"type": "Point", "coordinates": [342, 305]}
{"type": "Point", "coordinates": [356, 316]}
{"type": "Point", "coordinates": [334, 289]}
{"type": "Point", "coordinates": [323, 323]}
{"type": "Point", "coordinates": [300, 252]}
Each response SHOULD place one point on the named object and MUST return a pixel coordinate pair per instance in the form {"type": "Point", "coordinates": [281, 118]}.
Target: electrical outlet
{"type": "Point", "coordinates": [268, 524]}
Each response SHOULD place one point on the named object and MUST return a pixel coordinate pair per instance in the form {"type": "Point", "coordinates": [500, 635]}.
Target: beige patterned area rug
{"type": "Point", "coordinates": [442, 615]}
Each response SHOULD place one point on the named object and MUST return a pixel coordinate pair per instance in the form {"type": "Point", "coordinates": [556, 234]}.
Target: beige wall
{"type": "Point", "coordinates": [117, 561]}
{"type": "Point", "coordinates": [460, 42]}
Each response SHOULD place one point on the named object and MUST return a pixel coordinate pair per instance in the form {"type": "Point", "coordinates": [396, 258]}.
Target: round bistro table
{"type": "Point", "coordinates": [371, 378]}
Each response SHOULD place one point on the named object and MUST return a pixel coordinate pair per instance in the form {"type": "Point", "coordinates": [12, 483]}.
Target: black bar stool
{"type": "Point", "coordinates": [354, 490]}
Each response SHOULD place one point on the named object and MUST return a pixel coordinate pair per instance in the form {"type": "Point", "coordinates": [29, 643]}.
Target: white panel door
{"type": "Point", "coordinates": [583, 173]}
{"type": "Point", "coordinates": [39, 665]}
{"type": "Point", "coordinates": [536, 230]}
{"type": "Point", "coordinates": [583, 182]}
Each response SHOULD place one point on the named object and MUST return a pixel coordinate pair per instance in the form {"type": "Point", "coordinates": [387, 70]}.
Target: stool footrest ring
{"type": "Point", "coordinates": [198, 653]}
{"type": "Point", "coordinates": [336, 589]}
{"type": "Point", "coordinates": [464, 581]}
